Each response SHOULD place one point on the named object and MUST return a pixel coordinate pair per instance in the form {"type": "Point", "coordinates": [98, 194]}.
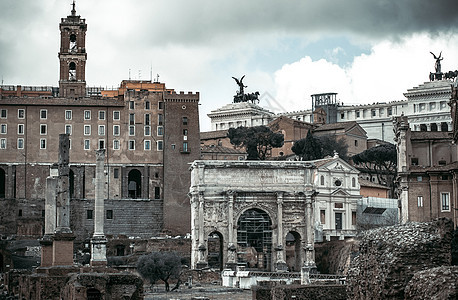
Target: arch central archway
{"type": "Point", "coordinates": [135, 184]}
{"type": "Point", "coordinates": [215, 250]}
{"type": "Point", "coordinates": [254, 239]}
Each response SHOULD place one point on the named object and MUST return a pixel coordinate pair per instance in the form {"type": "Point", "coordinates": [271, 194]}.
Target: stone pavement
{"type": "Point", "coordinates": [205, 291]}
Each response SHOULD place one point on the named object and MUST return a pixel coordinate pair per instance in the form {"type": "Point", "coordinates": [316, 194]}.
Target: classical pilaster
{"type": "Point", "coordinates": [50, 219]}
{"type": "Point", "coordinates": [98, 241]}
{"type": "Point", "coordinates": [280, 264]}
{"type": "Point", "coordinates": [202, 260]}
{"type": "Point", "coordinates": [309, 263]}
{"type": "Point", "coordinates": [231, 247]}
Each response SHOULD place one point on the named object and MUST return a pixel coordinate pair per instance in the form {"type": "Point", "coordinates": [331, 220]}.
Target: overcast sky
{"type": "Point", "coordinates": [365, 50]}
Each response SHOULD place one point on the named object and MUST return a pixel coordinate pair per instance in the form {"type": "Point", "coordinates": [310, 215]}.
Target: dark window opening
{"type": "Point", "coordinates": [442, 162]}
{"type": "Point", "coordinates": [72, 71]}
{"type": "Point", "coordinates": [414, 161]}
{"type": "Point", "coordinates": [157, 192]}
{"type": "Point", "coordinates": [120, 250]}
{"type": "Point", "coordinates": [89, 214]}
{"type": "Point", "coordinates": [109, 214]}
{"type": "Point", "coordinates": [444, 126]}
{"type": "Point", "coordinates": [433, 127]}
{"type": "Point", "coordinates": [338, 221]}
{"type": "Point", "coordinates": [20, 213]}
{"type": "Point", "coordinates": [71, 183]}
{"type": "Point", "coordinates": [135, 186]}
{"type": "Point", "coordinates": [185, 120]}
{"type": "Point", "coordinates": [2, 183]}
{"type": "Point", "coordinates": [116, 173]}
{"type": "Point", "coordinates": [423, 127]}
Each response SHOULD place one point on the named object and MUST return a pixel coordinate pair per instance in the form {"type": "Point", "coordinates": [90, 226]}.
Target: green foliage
{"type": "Point", "coordinates": [380, 160]}
{"type": "Point", "coordinates": [160, 266]}
{"type": "Point", "coordinates": [312, 148]}
{"type": "Point", "coordinates": [257, 141]}
{"type": "Point", "coordinates": [308, 148]}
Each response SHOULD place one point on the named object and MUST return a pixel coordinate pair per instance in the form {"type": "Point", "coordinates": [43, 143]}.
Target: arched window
{"type": "Point", "coordinates": [72, 46]}
{"type": "Point", "coordinates": [444, 126]}
{"type": "Point", "coordinates": [353, 182]}
{"type": "Point", "coordinates": [72, 71]}
{"type": "Point", "coordinates": [433, 127]}
{"type": "Point", "coordinates": [322, 180]}
{"type": "Point", "coordinates": [423, 127]}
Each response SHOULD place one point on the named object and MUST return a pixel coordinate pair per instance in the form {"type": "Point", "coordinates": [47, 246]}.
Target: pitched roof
{"type": "Point", "coordinates": [220, 149]}
{"type": "Point", "coordinates": [340, 125]}
{"type": "Point", "coordinates": [208, 135]}
{"type": "Point", "coordinates": [367, 183]}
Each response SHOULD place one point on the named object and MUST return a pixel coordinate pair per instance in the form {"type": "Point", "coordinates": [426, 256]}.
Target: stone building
{"type": "Point", "coordinates": [150, 134]}
{"type": "Point", "coordinates": [250, 207]}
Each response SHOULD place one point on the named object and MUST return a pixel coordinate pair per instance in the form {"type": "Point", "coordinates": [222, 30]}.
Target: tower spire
{"type": "Point", "coordinates": [73, 9]}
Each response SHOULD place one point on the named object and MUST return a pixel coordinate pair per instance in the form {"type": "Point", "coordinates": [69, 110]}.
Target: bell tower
{"type": "Point", "coordinates": [72, 56]}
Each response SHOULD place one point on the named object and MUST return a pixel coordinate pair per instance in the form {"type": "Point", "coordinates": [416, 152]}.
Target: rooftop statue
{"type": "Point", "coordinates": [438, 62]}
{"type": "Point", "coordinates": [240, 94]}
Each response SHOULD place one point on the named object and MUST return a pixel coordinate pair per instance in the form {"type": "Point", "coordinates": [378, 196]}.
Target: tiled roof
{"type": "Point", "coordinates": [367, 183]}
{"type": "Point", "coordinates": [208, 135]}
{"type": "Point", "coordinates": [430, 135]}
{"type": "Point", "coordinates": [220, 149]}
{"type": "Point", "coordinates": [334, 126]}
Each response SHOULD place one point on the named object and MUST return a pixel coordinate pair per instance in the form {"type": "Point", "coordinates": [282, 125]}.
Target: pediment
{"type": "Point", "coordinates": [340, 192]}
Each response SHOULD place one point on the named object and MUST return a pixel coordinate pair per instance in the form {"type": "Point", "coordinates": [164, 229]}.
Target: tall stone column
{"type": "Point", "coordinates": [280, 264]}
{"type": "Point", "coordinates": [50, 219]}
{"type": "Point", "coordinates": [63, 237]}
{"type": "Point", "coordinates": [98, 241]}
{"type": "Point", "coordinates": [309, 263]}
{"type": "Point", "coordinates": [202, 262]}
{"type": "Point", "coordinates": [231, 247]}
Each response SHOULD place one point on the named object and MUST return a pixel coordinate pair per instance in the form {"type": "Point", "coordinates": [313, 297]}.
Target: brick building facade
{"type": "Point", "coordinates": [150, 134]}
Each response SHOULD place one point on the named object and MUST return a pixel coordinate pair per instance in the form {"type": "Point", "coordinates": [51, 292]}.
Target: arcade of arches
{"type": "Point", "coordinates": [261, 219]}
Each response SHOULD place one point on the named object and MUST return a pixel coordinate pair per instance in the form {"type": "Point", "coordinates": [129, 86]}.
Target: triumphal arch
{"type": "Point", "coordinates": [256, 214]}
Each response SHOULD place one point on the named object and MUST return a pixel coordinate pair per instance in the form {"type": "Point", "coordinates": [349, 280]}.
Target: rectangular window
{"type": "Point", "coordinates": [20, 128]}
{"type": "Point", "coordinates": [419, 178]}
{"type": "Point", "coordinates": [20, 143]}
{"type": "Point", "coordinates": [185, 120]}
{"type": "Point", "coordinates": [109, 214]}
{"type": "Point", "coordinates": [160, 119]}
{"type": "Point", "coordinates": [87, 114]}
{"type": "Point", "coordinates": [157, 192]}
{"type": "Point", "coordinates": [116, 145]}
{"type": "Point", "coordinates": [185, 147]}
{"type": "Point", "coordinates": [131, 145]}
{"type": "Point", "coordinates": [185, 132]}
{"type": "Point", "coordinates": [131, 130]}
{"type": "Point", "coordinates": [87, 145]}
{"type": "Point", "coordinates": [101, 115]}
{"type": "Point", "coordinates": [116, 173]}
{"type": "Point", "coordinates": [389, 111]}
{"type": "Point", "coordinates": [69, 144]}
{"type": "Point", "coordinates": [89, 214]}
{"type": "Point", "coordinates": [43, 129]}
{"type": "Point", "coordinates": [147, 119]}
{"type": "Point", "coordinates": [101, 129]}
{"type": "Point", "coordinates": [3, 113]}
{"type": "Point", "coordinates": [116, 129]}
{"type": "Point", "coordinates": [358, 114]}
{"type": "Point", "coordinates": [147, 145]}
{"type": "Point", "coordinates": [147, 105]}
{"type": "Point", "coordinates": [445, 201]}
{"type": "Point", "coordinates": [323, 216]}
{"type": "Point", "coordinates": [161, 105]}
{"type": "Point", "coordinates": [43, 114]}
{"type": "Point", "coordinates": [3, 129]}
{"type": "Point", "coordinates": [373, 112]}
{"type": "Point", "coordinates": [68, 115]}
{"type": "Point", "coordinates": [68, 129]}
{"type": "Point", "coordinates": [101, 144]}
{"type": "Point", "coordinates": [2, 143]}
{"type": "Point", "coordinates": [116, 115]}
{"type": "Point", "coordinates": [87, 129]}
{"type": "Point", "coordinates": [420, 201]}
{"type": "Point", "coordinates": [131, 105]}
{"type": "Point", "coordinates": [21, 113]}
{"type": "Point", "coordinates": [131, 119]}
{"type": "Point", "coordinates": [160, 145]}
{"type": "Point", "coordinates": [356, 143]}
{"type": "Point", "coordinates": [42, 143]}
{"type": "Point", "coordinates": [160, 130]}
{"type": "Point", "coordinates": [353, 218]}
{"type": "Point", "coordinates": [147, 130]}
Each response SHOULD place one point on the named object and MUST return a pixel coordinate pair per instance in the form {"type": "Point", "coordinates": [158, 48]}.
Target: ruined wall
{"type": "Point", "coordinates": [280, 292]}
{"type": "Point", "coordinates": [436, 283]}
{"type": "Point", "coordinates": [130, 217]}
{"type": "Point", "coordinates": [333, 257]}
{"type": "Point", "coordinates": [389, 257]}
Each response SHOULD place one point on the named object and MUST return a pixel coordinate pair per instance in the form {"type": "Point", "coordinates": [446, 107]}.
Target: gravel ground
{"type": "Point", "coordinates": [205, 292]}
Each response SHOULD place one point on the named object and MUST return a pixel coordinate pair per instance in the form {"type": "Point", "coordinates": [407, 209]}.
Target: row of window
{"type": "Point", "coordinates": [87, 130]}
{"type": "Point", "coordinates": [160, 105]}
{"type": "Point", "coordinates": [445, 202]}
{"type": "Point", "coordinates": [69, 113]}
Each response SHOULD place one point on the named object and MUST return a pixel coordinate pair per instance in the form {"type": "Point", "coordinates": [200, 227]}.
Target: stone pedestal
{"type": "Point", "coordinates": [305, 273]}
{"type": "Point", "coordinates": [46, 251]}
{"type": "Point", "coordinates": [98, 251]}
{"type": "Point", "coordinates": [62, 249]}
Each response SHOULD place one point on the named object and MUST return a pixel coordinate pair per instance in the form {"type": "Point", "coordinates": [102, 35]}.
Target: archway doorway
{"type": "Point", "coordinates": [215, 250]}
{"type": "Point", "coordinates": [134, 180]}
{"type": "Point", "coordinates": [2, 183]}
{"type": "Point", "coordinates": [254, 239]}
{"type": "Point", "coordinates": [293, 251]}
